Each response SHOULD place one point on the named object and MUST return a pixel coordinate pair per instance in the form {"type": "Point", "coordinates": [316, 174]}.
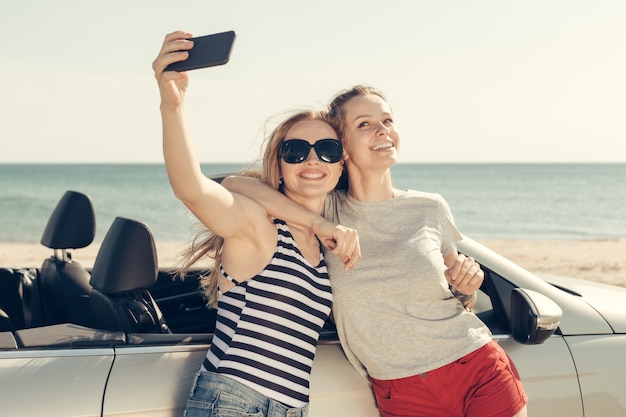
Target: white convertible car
{"type": "Point", "coordinates": [125, 339]}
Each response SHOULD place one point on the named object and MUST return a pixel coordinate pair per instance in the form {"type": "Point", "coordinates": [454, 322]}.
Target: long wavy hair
{"type": "Point", "coordinates": [206, 244]}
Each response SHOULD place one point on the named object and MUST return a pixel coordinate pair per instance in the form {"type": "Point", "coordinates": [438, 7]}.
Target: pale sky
{"type": "Point", "coordinates": [469, 81]}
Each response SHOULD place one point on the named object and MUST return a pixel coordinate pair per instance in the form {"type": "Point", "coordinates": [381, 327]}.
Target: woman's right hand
{"type": "Point", "coordinates": [339, 240]}
{"type": "Point", "coordinates": [172, 84]}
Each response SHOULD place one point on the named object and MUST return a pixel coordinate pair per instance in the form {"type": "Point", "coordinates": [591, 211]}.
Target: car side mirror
{"type": "Point", "coordinates": [534, 317]}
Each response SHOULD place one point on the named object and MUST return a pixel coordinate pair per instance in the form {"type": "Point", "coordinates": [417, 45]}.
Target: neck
{"type": "Point", "coordinates": [371, 186]}
{"type": "Point", "coordinates": [314, 204]}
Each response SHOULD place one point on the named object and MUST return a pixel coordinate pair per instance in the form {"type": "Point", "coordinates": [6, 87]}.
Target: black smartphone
{"type": "Point", "coordinates": [207, 51]}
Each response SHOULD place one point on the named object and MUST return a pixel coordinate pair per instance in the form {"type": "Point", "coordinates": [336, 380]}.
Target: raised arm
{"type": "Point", "coordinates": [211, 203]}
{"type": "Point", "coordinates": [339, 240]}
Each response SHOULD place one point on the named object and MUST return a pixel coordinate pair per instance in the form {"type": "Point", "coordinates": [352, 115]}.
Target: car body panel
{"type": "Point", "coordinates": [54, 383]}
{"type": "Point", "coordinates": [600, 364]}
{"type": "Point", "coordinates": [608, 300]}
{"type": "Point", "coordinates": [137, 368]}
{"type": "Point", "coordinates": [548, 375]}
{"type": "Point", "coordinates": [336, 385]}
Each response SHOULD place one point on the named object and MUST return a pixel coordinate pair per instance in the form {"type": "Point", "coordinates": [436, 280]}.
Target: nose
{"type": "Point", "coordinates": [382, 129]}
{"type": "Point", "coordinates": [312, 156]}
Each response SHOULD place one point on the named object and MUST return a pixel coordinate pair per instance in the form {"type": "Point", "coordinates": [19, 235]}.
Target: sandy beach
{"type": "Point", "coordinates": [595, 260]}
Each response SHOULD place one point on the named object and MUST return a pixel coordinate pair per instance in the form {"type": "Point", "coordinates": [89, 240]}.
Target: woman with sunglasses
{"type": "Point", "coordinates": [270, 281]}
{"type": "Point", "coordinates": [402, 315]}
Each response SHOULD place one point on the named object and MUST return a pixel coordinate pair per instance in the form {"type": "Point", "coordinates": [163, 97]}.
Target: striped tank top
{"type": "Point", "coordinates": [268, 326]}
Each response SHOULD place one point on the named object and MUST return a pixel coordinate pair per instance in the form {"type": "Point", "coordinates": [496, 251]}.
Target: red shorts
{"type": "Point", "coordinates": [483, 383]}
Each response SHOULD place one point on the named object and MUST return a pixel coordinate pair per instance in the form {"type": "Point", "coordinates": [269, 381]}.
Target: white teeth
{"type": "Point", "coordinates": [312, 175]}
{"type": "Point", "coordinates": [379, 146]}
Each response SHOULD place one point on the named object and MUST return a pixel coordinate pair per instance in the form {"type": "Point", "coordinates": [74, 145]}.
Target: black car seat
{"type": "Point", "coordinates": [6, 325]}
{"type": "Point", "coordinates": [16, 298]}
{"type": "Point", "coordinates": [64, 283]}
{"type": "Point", "coordinates": [125, 268]}
{"type": "Point", "coordinates": [10, 304]}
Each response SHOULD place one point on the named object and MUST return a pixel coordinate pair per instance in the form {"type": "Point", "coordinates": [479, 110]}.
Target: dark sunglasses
{"type": "Point", "coordinates": [296, 151]}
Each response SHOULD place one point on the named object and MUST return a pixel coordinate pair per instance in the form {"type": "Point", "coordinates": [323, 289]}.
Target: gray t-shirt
{"type": "Point", "coordinates": [394, 312]}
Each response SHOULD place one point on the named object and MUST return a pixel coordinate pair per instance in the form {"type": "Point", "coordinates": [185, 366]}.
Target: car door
{"type": "Point", "coordinates": [152, 376]}
{"type": "Point", "coordinates": [336, 387]}
{"type": "Point", "coordinates": [151, 379]}
{"type": "Point", "coordinates": [53, 382]}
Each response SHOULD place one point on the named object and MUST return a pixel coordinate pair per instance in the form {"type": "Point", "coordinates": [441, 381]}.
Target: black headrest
{"type": "Point", "coordinates": [72, 224]}
{"type": "Point", "coordinates": [127, 259]}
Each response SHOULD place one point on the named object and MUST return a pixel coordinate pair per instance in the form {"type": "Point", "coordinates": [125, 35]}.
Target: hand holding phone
{"type": "Point", "coordinates": [207, 51]}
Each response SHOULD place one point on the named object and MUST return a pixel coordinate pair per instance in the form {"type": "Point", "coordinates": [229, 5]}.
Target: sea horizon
{"type": "Point", "coordinates": [508, 201]}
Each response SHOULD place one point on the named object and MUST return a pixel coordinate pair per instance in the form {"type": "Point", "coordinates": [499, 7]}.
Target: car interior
{"type": "Point", "coordinates": [63, 304]}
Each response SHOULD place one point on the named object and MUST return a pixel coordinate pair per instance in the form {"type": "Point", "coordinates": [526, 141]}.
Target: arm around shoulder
{"type": "Point", "coordinates": [339, 240]}
{"type": "Point", "coordinates": [276, 203]}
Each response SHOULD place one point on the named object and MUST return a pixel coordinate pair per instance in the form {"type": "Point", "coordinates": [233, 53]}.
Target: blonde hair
{"type": "Point", "coordinates": [204, 242]}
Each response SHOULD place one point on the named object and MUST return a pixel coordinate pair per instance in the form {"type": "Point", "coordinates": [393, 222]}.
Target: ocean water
{"type": "Point", "coordinates": [489, 201]}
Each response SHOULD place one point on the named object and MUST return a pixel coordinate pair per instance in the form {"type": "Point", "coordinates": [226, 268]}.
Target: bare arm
{"type": "Point", "coordinates": [339, 240]}
{"type": "Point", "coordinates": [212, 204]}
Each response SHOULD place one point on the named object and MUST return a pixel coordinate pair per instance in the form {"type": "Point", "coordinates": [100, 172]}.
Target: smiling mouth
{"type": "Point", "coordinates": [312, 175]}
{"type": "Point", "coordinates": [382, 146]}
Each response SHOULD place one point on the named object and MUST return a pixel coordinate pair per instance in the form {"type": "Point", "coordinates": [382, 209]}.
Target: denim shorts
{"type": "Point", "coordinates": [216, 395]}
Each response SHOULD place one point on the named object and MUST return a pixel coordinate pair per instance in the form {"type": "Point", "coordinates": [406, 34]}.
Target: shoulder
{"type": "Point", "coordinates": [423, 197]}
{"type": "Point", "coordinates": [433, 202]}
